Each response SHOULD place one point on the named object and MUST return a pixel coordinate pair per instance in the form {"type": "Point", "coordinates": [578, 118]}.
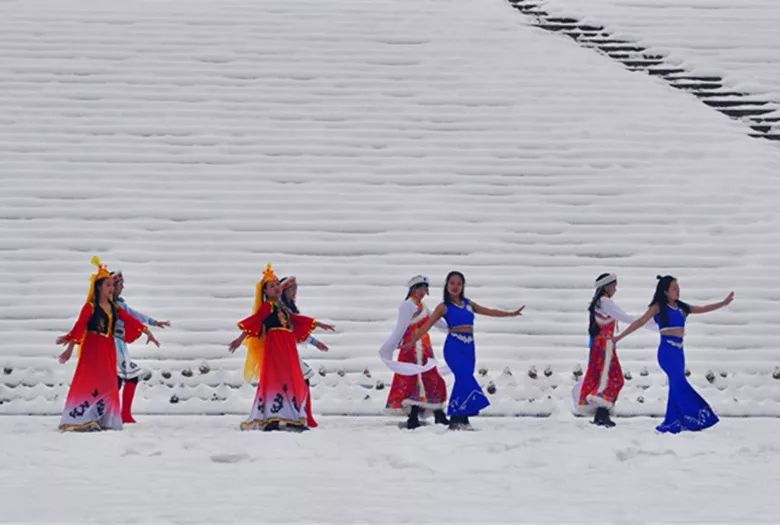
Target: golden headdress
{"type": "Point", "coordinates": [101, 273]}
{"type": "Point", "coordinates": [255, 346]}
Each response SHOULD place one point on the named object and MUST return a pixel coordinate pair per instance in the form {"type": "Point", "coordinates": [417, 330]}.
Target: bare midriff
{"type": "Point", "coordinates": [674, 332]}
{"type": "Point", "coordinates": [462, 329]}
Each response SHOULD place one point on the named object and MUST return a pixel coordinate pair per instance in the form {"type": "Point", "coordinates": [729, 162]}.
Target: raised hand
{"type": "Point", "coordinates": [515, 313]}
{"type": "Point", "coordinates": [322, 347]}
{"type": "Point", "coordinates": [326, 326]}
{"type": "Point", "coordinates": [728, 299]}
{"type": "Point", "coordinates": [163, 324]}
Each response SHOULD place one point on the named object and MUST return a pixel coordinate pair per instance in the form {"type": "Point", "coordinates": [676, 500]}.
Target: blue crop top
{"type": "Point", "coordinates": [676, 318]}
{"type": "Point", "coordinates": [459, 315]}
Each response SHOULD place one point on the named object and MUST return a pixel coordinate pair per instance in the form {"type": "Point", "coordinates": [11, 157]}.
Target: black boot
{"type": "Point", "coordinates": [439, 418]}
{"type": "Point", "coordinates": [272, 426]}
{"type": "Point", "coordinates": [414, 418]}
{"type": "Point", "coordinates": [602, 418]}
{"type": "Point", "coordinates": [607, 421]}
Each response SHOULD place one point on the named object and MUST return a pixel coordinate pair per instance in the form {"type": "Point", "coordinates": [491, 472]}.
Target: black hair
{"type": "Point", "coordinates": [462, 290]}
{"type": "Point", "coordinates": [660, 299]}
{"type": "Point", "coordinates": [593, 327]}
{"type": "Point", "coordinates": [100, 322]}
{"type": "Point", "coordinates": [288, 303]}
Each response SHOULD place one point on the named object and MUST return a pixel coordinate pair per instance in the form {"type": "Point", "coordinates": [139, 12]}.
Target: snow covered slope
{"type": "Point", "coordinates": [355, 144]}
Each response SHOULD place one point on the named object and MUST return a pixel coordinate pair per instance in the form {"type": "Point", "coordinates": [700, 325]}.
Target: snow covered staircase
{"type": "Point", "coordinates": [355, 144]}
{"type": "Point", "coordinates": [760, 115]}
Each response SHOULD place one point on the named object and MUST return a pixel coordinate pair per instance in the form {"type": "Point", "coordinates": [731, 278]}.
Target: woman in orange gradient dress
{"type": "Point", "coordinates": [93, 398]}
{"type": "Point", "coordinates": [271, 334]}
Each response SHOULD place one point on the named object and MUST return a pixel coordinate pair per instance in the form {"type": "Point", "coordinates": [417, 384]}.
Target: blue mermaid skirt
{"type": "Point", "coordinates": [467, 398]}
{"type": "Point", "coordinates": [685, 409]}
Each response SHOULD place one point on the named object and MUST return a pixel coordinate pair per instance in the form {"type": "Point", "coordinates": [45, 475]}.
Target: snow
{"type": "Point", "coordinates": [193, 469]}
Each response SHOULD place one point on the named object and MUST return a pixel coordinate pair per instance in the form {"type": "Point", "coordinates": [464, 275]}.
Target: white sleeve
{"type": "Point", "coordinates": [610, 308]}
{"type": "Point", "coordinates": [405, 314]}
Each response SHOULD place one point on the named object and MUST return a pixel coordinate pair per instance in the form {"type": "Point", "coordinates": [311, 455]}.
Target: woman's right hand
{"type": "Point", "coordinates": [64, 356]}
{"type": "Point", "coordinates": [235, 343]}
{"type": "Point", "coordinates": [61, 340]}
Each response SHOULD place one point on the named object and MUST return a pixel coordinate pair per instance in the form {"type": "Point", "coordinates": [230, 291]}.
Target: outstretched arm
{"type": "Point", "coordinates": [495, 312]}
{"type": "Point", "coordinates": [652, 311]}
{"type": "Point", "coordinates": [714, 306]}
{"type": "Point", "coordinates": [609, 307]}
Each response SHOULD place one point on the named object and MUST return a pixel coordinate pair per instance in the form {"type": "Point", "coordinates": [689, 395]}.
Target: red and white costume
{"type": "Point", "coordinates": [93, 398]}
{"type": "Point", "coordinates": [282, 393]}
{"type": "Point", "coordinates": [417, 381]}
{"type": "Point", "coordinates": [604, 378]}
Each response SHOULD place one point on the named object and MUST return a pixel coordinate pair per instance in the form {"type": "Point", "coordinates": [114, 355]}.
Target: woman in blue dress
{"type": "Point", "coordinates": [467, 398]}
{"type": "Point", "coordinates": [685, 408]}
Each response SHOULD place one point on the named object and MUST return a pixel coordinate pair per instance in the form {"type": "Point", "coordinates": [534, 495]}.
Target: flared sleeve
{"type": "Point", "coordinates": [133, 327]}
{"type": "Point", "coordinates": [253, 325]}
{"type": "Point", "coordinates": [302, 327]}
{"type": "Point", "coordinates": [76, 334]}
{"type": "Point", "coordinates": [405, 315]}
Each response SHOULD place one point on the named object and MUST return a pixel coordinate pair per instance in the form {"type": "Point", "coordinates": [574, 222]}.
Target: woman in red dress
{"type": "Point", "coordinates": [271, 334]}
{"type": "Point", "coordinates": [93, 398]}
{"type": "Point", "coordinates": [417, 387]}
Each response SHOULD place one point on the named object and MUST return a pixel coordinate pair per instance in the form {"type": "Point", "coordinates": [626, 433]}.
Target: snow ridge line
{"type": "Point", "coordinates": [759, 114]}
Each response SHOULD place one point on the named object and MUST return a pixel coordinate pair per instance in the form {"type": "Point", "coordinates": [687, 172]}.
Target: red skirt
{"type": "Point", "coordinates": [427, 390]}
{"type": "Point", "coordinates": [282, 392]}
{"type": "Point", "coordinates": [93, 398]}
{"type": "Point", "coordinates": [604, 378]}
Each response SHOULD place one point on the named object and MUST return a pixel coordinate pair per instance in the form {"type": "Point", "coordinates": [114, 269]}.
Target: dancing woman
{"type": "Point", "coordinates": [467, 398]}
{"type": "Point", "coordinates": [417, 386]}
{"type": "Point", "coordinates": [128, 372]}
{"type": "Point", "coordinates": [685, 408]}
{"type": "Point", "coordinates": [604, 378]}
{"type": "Point", "coordinates": [289, 293]}
{"type": "Point", "coordinates": [271, 333]}
{"type": "Point", "coordinates": [93, 397]}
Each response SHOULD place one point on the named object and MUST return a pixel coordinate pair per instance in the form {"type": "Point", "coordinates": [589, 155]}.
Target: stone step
{"type": "Point", "coordinates": [641, 63]}
{"type": "Point", "coordinates": [744, 112]}
{"type": "Point", "coordinates": [766, 119]}
{"type": "Point", "coordinates": [708, 94]}
{"type": "Point", "coordinates": [718, 103]}
{"type": "Point", "coordinates": [664, 71]}
{"type": "Point", "coordinates": [621, 48]}
{"type": "Point", "coordinates": [766, 136]}
{"type": "Point", "coordinates": [696, 78]}
{"type": "Point", "coordinates": [697, 86]}
{"type": "Point", "coordinates": [761, 128]}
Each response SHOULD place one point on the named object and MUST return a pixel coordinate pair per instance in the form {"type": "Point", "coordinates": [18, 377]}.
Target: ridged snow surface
{"type": "Point", "coordinates": [355, 144]}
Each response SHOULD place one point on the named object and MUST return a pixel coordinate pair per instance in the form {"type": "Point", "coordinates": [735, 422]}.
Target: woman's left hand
{"type": "Point", "coordinates": [326, 326]}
